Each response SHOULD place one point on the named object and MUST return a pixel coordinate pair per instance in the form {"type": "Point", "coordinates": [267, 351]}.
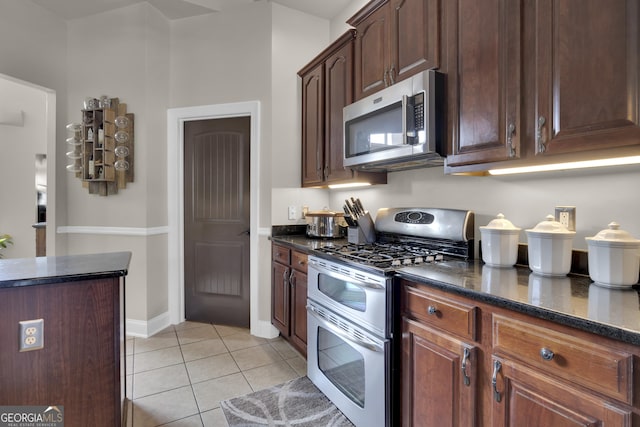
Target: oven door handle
{"type": "Point", "coordinates": [358, 282]}
{"type": "Point", "coordinates": [335, 329]}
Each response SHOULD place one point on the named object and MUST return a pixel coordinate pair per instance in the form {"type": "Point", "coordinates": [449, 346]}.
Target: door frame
{"type": "Point", "coordinates": [176, 117]}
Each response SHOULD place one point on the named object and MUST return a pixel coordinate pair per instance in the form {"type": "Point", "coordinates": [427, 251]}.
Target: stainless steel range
{"type": "Point", "coordinates": [353, 329]}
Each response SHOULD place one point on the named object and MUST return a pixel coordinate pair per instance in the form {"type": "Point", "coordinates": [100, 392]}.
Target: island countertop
{"type": "Point", "coordinates": [56, 269]}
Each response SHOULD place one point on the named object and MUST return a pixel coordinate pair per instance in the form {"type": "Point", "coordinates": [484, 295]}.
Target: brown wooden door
{"type": "Point", "coordinates": [313, 127]}
{"type": "Point", "coordinates": [339, 93]}
{"type": "Point", "coordinates": [587, 75]}
{"type": "Point", "coordinates": [415, 37]}
{"type": "Point", "coordinates": [372, 53]}
{"type": "Point", "coordinates": [216, 220]}
{"type": "Point", "coordinates": [484, 80]}
{"type": "Point", "coordinates": [524, 397]}
{"type": "Point", "coordinates": [434, 390]}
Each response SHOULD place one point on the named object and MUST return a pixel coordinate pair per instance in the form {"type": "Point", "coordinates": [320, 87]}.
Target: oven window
{"type": "Point", "coordinates": [344, 292]}
{"type": "Point", "coordinates": [342, 365]}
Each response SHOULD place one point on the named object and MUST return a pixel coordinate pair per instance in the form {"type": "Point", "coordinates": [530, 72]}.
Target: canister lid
{"type": "Point", "coordinates": [612, 235]}
{"type": "Point", "coordinates": [500, 223]}
{"type": "Point", "coordinates": [550, 226]}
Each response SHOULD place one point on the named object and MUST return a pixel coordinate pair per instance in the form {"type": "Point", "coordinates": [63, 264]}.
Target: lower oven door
{"type": "Point", "coordinates": [350, 366]}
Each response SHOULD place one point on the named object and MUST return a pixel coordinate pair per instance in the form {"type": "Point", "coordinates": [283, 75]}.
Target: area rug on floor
{"type": "Point", "coordinates": [295, 403]}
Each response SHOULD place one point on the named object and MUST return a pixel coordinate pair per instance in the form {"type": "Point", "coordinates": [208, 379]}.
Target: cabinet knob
{"type": "Point", "coordinates": [546, 354]}
{"type": "Point", "coordinates": [432, 310]}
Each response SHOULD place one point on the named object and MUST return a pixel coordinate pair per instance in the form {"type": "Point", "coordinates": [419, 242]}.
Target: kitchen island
{"type": "Point", "coordinates": [74, 358]}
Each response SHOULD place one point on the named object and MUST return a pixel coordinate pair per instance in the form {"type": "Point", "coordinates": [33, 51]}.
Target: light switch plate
{"type": "Point", "coordinates": [31, 335]}
{"type": "Point", "coordinates": [566, 215]}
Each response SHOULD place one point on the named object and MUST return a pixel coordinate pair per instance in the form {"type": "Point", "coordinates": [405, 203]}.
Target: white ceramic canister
{"type": "Point", "coordinates": [614, 257]}
{"type": "Point", "coordinates": [499, 242]}
{"type": "Point", "coordinates": [550, 246]}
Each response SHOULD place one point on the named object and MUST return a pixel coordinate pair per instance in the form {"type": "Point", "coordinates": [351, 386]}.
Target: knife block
{"type": "Point", "coordinates": [364, 233]}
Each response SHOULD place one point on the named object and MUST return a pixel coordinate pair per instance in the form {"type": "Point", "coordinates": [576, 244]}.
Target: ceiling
{"type": "Point", "coordinates": [177, 9]}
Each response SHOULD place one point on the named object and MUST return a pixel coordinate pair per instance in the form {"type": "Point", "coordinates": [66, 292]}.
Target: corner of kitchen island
{"type": "Point", "coordinates": [81, 366]}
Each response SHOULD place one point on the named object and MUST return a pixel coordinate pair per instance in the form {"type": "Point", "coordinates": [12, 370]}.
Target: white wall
{"type": "Point", "coordinates": [39, 57]}
{"type": "Point", "coordinates": [600, 195]}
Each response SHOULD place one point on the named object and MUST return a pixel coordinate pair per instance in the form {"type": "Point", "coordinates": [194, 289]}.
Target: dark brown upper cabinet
{"type": "Point", "coordinates": [395, 39]}
{"type": "Point", "coordinates": [327, 87]}
{"type": "Point", "coordinates": [541, 81]}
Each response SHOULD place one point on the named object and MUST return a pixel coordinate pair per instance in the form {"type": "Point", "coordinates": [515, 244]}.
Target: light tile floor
{"type": "Point", "coordinates": [178, 377]}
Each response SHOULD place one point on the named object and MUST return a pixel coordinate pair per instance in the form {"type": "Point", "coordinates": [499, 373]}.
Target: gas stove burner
{"type": "Point", "coordinates": [385, 255]}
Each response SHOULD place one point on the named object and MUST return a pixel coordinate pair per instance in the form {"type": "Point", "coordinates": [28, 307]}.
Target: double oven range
{"type": "Point", "coordinates": [353, 322]}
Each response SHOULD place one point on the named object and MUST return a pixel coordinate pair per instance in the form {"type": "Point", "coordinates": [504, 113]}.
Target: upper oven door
{"type": "Point", "coordinates": [354, 294]}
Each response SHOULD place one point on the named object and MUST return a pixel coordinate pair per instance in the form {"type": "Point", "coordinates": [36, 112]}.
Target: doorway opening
{"type": "Point", "coordinates": [177, 117]}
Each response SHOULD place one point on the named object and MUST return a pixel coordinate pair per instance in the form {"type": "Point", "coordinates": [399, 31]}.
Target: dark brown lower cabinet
{"type": "Point", "coordinates": [469, 363]}
{"type": "Point", "coordinates": [289, 295]}
{"type": "Point", "coordinates": [82, 364]}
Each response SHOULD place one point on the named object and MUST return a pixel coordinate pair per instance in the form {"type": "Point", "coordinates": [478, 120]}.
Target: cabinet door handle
{"type": "Point", "coordinates": [497, 366]}
{"type": "Point", "coordinates": [285, 277]}
{"type": "Point", "coordinates": [467, 356]}
{"type": "Point", "coordinates": [432, 310]}
{"type": "Point", "coordinates": [542, 144]}
{"type": "Point", "coordinates": [385, 78]}
{"type": "Point", "coordinates": [546, 354]}
{"type": "Point", "coordinates": [292, 278]}
{"type": "Point", "coordinates": [510, 131]}
{"type": "Point", "coordinates": [392, 73]}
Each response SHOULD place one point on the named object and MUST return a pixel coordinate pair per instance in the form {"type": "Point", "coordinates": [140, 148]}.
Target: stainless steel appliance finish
{"type": "Point", "coordinates": [353, 329]}
{"type": "Point", "coordinates": [341, 360]}
{"type": "Point", "coordinates": [399, 127]}
{"type": "Point", "coordinates": [326, 224]}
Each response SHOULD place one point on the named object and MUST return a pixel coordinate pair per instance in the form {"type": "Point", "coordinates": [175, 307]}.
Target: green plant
{"type": "Point", "coordinates": [5, 240]}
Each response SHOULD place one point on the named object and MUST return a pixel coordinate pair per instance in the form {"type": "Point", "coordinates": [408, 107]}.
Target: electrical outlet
{"type": "Point", "coordinates": [566, 215]}
{"type": "Point", "coordinates": [293, 212]}
{"type": "Point", "coordinates": [31, 334]}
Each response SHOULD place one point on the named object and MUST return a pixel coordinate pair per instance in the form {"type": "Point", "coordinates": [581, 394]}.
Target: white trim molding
{"type": "Point", "coordinates": [176, 118]}
{"type": "Point", "coordinates": [145, 329]}
{"type": "Point", "coordinates": [113, 231]}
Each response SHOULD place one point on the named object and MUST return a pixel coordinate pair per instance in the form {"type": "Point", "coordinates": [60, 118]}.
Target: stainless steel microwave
{"type": "Point", "coordinates": [401, 127]}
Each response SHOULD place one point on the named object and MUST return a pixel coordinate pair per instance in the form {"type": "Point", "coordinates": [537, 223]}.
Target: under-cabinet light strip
{"type": "Point", "coordinates": [349, 185]}
{"type": "Point", "coordinates": [617, 161]}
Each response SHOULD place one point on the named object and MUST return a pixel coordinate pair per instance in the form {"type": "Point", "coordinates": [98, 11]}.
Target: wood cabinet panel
{"type": "Point", "coordinates": [280, 297]}
{"type": "Point", "coordinates": [560, 355]}
{"type": "Point", "coordinates": [484, 80]}
{"type": "Point", "coordinates": [444, 313]}
{"type": "Point", "coordinates": [530, 398]}
{"type": "Point", "coordinates": [436, 391]}
{"type": "Point", "coordinates": [289, 295]}
{"type": "Point", "coordinates": [415, 37]}
{"type": "Point", "coordinates": [313, 127]}
{"type": "Point", "coordinates": [583, 103]}
{"type": "Point", "coordinates": [395, 40]}
{"type": "Point", "coordinates": [80, 366]}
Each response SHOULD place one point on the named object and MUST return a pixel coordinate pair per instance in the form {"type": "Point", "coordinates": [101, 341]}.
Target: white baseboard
{"type": "Point", "coordinates": [145, 329]}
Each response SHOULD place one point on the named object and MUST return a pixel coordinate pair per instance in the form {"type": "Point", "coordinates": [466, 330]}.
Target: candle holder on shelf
{"type": "Point", "coordinates": [103, 146]}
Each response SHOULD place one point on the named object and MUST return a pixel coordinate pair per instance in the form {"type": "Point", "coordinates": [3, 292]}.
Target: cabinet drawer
{"type": "Point", "coordinates": [281, 254]}
{"type": "Point", "coordinates": [561, 355]}
{"type": "Point", "coordinates": [299, 261]}
{"type": "Point", "coordinates": [444, 313]}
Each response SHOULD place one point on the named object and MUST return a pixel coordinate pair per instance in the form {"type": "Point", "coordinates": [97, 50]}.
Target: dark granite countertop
{"type": "Point", "coordinates": [571, 300]}
{"type": "Point", "coordinates": [45, 270]}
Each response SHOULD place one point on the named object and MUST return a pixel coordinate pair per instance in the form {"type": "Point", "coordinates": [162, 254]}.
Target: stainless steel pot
{"type": "Point", "coordinates": [326, 224]}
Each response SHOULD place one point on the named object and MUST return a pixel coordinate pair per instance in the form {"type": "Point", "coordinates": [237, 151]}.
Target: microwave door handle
{"type": "Point", "coordinates": [336, 330]}
{"type": "Point", "coordinates": [405, 102]}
